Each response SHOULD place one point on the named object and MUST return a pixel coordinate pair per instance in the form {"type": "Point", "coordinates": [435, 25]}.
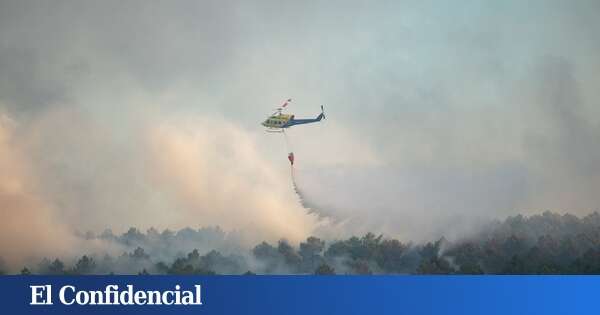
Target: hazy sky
{"type": "Point", "coordinates": [440, 114]}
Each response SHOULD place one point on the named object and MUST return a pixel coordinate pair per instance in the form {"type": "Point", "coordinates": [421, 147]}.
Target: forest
{"type": "Point", "coordinates": [547, 243]}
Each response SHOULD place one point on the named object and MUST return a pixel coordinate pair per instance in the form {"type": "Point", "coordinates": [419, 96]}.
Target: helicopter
{"type": "Point", "coordinates": [278, 121]}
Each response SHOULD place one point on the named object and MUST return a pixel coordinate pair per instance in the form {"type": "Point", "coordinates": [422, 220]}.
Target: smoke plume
{"type": "Point", "coordinates": [147, 114]}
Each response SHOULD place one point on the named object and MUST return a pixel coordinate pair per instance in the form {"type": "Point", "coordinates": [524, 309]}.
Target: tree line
{"type": "Point", "coordinates": [548, 243]}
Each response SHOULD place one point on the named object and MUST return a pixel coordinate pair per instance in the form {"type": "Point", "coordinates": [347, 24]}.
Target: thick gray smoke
{"type": "Point", "coordinates": [552, 168]}
{"type": "Point", "coordinates": [147, 114]}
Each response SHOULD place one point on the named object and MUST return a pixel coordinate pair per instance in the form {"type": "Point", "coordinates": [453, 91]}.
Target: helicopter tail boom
{"type": "Point", "coordinates": [294, 122]}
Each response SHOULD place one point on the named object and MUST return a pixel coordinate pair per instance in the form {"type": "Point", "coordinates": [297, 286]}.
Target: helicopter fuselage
{"type": "Point", "coordinates": [279, 121]}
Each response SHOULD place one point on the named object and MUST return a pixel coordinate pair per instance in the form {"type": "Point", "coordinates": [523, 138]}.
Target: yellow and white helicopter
{"type": "Point", "coordinates": [278, 121]}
